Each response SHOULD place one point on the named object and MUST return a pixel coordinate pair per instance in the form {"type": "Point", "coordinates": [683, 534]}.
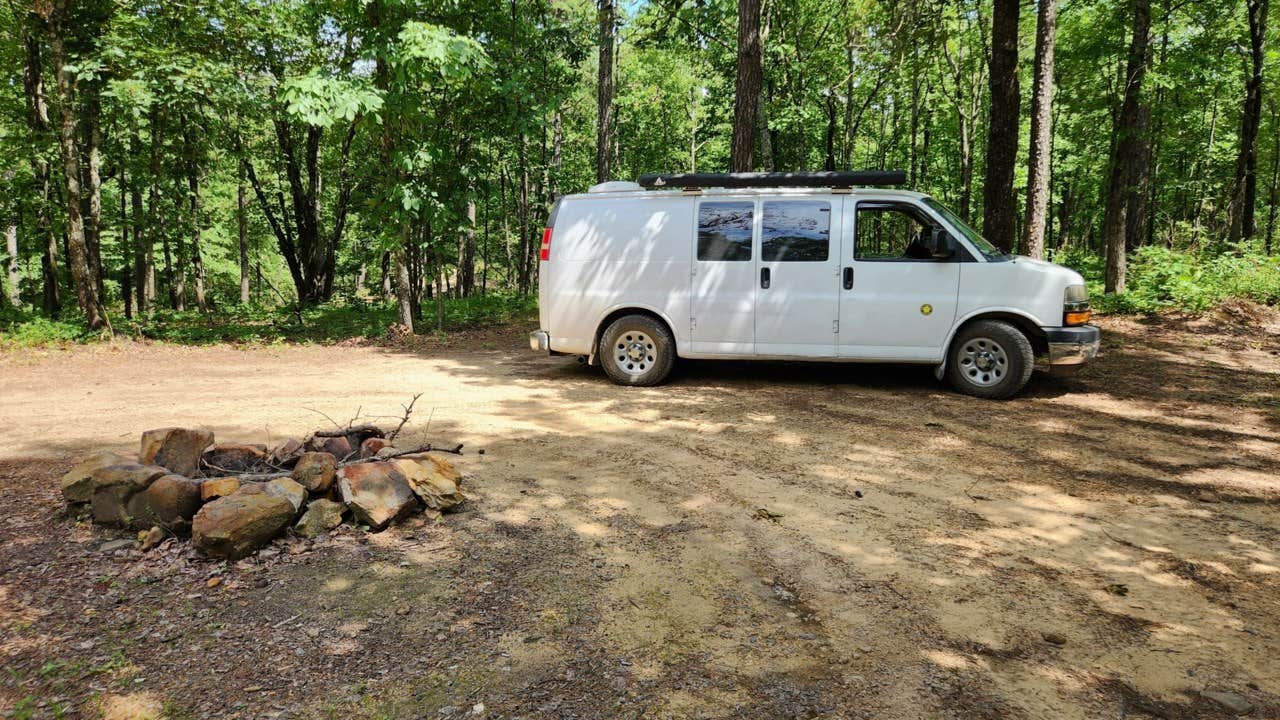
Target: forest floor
{"type": "Point", "coordinates": [752, 540]}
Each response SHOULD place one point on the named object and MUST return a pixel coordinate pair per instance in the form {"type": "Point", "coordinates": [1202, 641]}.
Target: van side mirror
{"type": "Point", "coordinates": [942, 247]}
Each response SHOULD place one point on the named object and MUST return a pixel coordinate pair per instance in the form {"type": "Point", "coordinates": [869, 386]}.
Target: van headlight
{"type": "Point", "coordinates": [1075, 305]}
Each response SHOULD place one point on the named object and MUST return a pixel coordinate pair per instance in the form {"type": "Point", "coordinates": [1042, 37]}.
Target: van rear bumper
{"type": "Point", "coordinates": [540, 340]}
{"type": "Point", "coordinates": [1072, 347]}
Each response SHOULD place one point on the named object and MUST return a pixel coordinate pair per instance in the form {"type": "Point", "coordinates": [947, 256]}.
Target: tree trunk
{"type": "Point", "coordinates": [1041, 131]}
{"type": "Point", "coordinates": [13, 289]}
{"type": "Point", "coordinates": [144, 261]}
{"type": "Point", "coordinates": [179, 266]}
{"type": "Point", "coordinates": [604, 89]}
{"type": "Point", "coordinates": [1244, 202]}
{"type": "Point", "coordinates": [126, 250]}
{"type": "Point", "coordinates": [999, 205]}
{"type": "Point", "coordinates": [197, 259]}
{"type": "Point", "coordinates": [388, 293]}
{"type": "Point", "coordinates": [440, 290]}
{"type": "Point", "coordinates": [242, 226]}
{"type": "Point", "coordinates": [77, 254]}
{"type": "Point", "coordinates": [93, 182]}
{"type": "Point", "coordinates": [168, 271]}
{"type": "Point", "coordinates": [404, 293]}
{"type": "Point", "coordinates": [522, 204]}
{"type": "Point", "coordinates": [38, 121]}
{"type": "Point", "coordinates": [193, 200]}
{"type": "Point", "coordinates": [1130, 137]}
{"type": "Point", "coordinates": [467, 266]}
{"type": "Point", "coordinates": [747, 87]}
{"type": "Point", "coordinates": [767, 157]}
{"type": "Point", "coordinates": [1274, 196]}
{"type": "Point", "coordinates": [484, 247]}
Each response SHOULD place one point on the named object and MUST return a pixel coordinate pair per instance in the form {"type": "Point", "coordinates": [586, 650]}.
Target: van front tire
{"type": "Point", "coordinates": [637, 350]}
{"type": "Point", "coordinates": [990, 359]}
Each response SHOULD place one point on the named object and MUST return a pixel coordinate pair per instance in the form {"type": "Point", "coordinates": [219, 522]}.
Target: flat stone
{"type": "Point", "coordinates": [77, 484]}
{"type": "Point", "coordinates": [372, 446]}
{"type": "Point", "coordinates": [114, 545]}
{"type": "Point", "coordinates": [129, 476]}
{"type": "Point", "coordinates": [235, 526]}
{"type": "Point", "coordinates": [376, 492]}
{"type": "Point", "coordinates": [434, 480]}
{"type": "Point", "coordinates": [178, 449]}
{"type": "Point", "coordinates": [170, 502]}
{"type": "Point", "coordinates": [218, 487]}
{"type": "Point", "coordinates": [114, 485]}
{"type": "Point", "coordinates": [315, 471]}
{"type": "Point", "coordinates": [321, 517]}
{"type": "Point", "coordinates": [1234, 703]}
{"type": "Point", "coordinates": [289, 490]}
{"type": "Point", "coordinates": [339, 447]}
{"type": "Point", "coordinates": [151, 538]}
{"type": "Point", "coordinates": [284, 450]}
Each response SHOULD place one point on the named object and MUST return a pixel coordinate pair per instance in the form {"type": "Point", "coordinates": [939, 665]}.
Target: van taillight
{"type": "Point", "coordinates": [545, 252]}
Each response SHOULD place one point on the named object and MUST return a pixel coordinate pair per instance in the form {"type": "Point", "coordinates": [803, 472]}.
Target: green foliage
{"type": "Point", "coordinates": [1189, 280]}
{"type": "Point", "coordinates": [19, 329]}
{"type": "Point", "coordinates": [328, 323]}
{"type": "Point", "coordinates": [322, 101]}
{"type": "Point", "coordinates": [410, 128]}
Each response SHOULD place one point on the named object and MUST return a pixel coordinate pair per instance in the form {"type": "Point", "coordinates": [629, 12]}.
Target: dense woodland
{"type": "Point", "coordinates": [194, 156]}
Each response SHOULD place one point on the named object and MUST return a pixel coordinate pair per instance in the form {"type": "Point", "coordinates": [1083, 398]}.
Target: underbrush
{"type": "Point", "coordinates": [266, 325]}
{"type": "Point", "coordinates": [1191, 280]}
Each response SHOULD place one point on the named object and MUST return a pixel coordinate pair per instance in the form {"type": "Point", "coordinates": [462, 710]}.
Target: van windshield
{"type": "Point", "coordinates": [989, 251]}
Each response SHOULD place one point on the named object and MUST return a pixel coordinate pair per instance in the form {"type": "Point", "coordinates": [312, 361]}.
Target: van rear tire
{"type": "Point", "coordinates": [990, 359]}
{"type": "Point", "coordinates": [637, 350]}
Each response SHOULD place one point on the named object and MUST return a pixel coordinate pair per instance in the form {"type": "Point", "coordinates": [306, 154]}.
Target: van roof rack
{"type": "Point", "coordinates": [826, 179]}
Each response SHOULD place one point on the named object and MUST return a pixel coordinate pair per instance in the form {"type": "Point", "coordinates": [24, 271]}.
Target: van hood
{"type": "Point", "coordinates": [1050, 271]}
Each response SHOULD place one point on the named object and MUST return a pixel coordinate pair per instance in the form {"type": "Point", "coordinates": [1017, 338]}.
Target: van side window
{"type": "Point", "coordinates": [795, 231]}
{"type": "Point", "coordinates": [885, 231]}
{"type": "Point", "coordinates": [724, 231]}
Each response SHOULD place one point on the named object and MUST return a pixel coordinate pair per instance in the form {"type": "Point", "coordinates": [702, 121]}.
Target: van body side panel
{"type": "Point", "coordinates": [1034, 287]}
{"type": "Point", "coordinates": [609, 253]}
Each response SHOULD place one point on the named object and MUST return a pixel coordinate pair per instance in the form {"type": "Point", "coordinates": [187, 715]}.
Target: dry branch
{"type": "Point", "coordinates": [263, 477]}
{"type": "Point", "coordinates": [408, 410]}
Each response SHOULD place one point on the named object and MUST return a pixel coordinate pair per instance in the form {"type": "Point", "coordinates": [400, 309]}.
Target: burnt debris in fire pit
{"type": "Point", "coordinates": [234, 498]}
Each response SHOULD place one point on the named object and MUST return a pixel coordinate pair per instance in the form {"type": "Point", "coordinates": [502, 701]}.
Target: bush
{"type": "Point", "coordinates": [19, 329]}
{"type": "Point", "coordinates": [1192, 280]}
{"type": "Point", "coordinates": [238, 324]}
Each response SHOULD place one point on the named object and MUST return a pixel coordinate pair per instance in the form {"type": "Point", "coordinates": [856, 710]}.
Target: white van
{"type": "Point", "coordinates": [797, 266]}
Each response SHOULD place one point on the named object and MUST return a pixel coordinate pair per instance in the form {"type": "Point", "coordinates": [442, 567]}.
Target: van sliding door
{"type": "Point", "coordinates": [797, 297]}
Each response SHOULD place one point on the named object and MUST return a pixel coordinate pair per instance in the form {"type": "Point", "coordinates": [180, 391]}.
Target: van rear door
{"type": "Point", "coordinates": [722, 302]}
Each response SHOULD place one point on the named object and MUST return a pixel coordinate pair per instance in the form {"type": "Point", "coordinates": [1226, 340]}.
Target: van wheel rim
{"type": "Point", "coordinates": [634, 352]}
{"type": "Point", "coordinates": [983, 361]}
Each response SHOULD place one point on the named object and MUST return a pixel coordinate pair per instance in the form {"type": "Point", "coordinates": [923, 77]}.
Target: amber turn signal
{"type": "Point", "coordinates": [1077, 318]}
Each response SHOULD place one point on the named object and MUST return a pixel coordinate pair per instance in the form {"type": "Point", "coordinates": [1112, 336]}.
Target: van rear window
{"type": "Point", "coordinates": [724, 231]}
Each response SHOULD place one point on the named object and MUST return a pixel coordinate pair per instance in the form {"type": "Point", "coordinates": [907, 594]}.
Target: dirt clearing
{"type": "Point", "coordinates": [751, 540]}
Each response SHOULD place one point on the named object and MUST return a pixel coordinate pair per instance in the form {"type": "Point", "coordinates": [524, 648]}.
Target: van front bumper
{"type": "Point", "coordinates": [540, 340]}
{"type": "Point", "coordinates": [1072, 347]}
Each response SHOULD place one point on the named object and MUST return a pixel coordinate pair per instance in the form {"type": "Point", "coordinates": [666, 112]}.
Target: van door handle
{"type": "Point", "coordinates": [764, 278]}
{"type": "Point", "coordinates": [848, 278]}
